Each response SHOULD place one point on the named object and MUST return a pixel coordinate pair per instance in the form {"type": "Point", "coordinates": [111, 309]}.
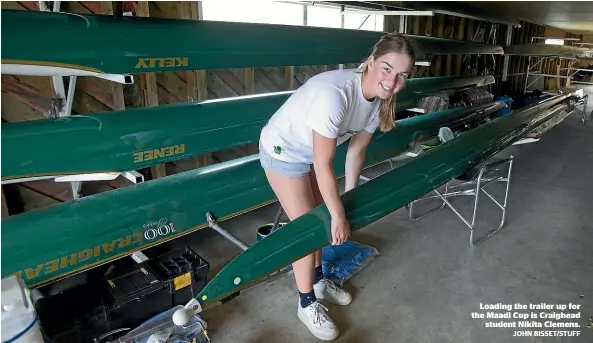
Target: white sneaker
{"type": "Point", "coordinates": [317, 321]}
{"type": "Point", "coordinates": [326, 289]}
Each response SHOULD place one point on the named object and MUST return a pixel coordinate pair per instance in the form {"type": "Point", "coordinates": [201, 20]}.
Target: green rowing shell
{"type": "Point", "coordinates": [549, 50]}
{"type": "Point", "coordinates": [142, 137]}
{"type": "Point", "coordinates": [377, 198]}
{"type": "Point", "coordinates": [122, 45]}
{"type": "Point", "coordinates": [71, 237]}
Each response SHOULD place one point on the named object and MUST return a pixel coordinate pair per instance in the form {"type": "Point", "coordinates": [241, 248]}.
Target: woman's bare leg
{"type": "Point", "coordinates": [334, 295]}
{"type": "Point", "coordinates": [296, 198]}
{"type": "Point", "coordinates": [318, 201]}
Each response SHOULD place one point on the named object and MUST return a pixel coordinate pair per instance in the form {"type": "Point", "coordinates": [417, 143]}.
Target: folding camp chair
{"type": "Point", "coordinates": [473, 180]}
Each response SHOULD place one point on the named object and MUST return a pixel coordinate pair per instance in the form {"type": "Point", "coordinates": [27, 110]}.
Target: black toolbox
{"type": "Point", "coordinates": [122, 295]}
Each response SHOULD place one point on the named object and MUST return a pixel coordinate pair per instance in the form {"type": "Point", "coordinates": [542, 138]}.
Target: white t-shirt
{"type": "Point", "coordinates": [331, 103]}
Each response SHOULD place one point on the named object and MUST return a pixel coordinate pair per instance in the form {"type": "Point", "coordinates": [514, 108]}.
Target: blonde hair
{"type": "Point", "coordinates": [390, 42]}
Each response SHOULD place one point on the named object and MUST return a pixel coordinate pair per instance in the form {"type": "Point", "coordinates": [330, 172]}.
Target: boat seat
{"type": "Point", "coordinates": [473, 183]}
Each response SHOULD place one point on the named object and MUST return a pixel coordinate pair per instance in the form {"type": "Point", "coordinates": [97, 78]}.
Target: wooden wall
{"type": "Point", "coordinates": [587, 64]}
{"type": "Point", "coordinates": [556, 66]}
{"type": "Point", "coordinates": [454, 27]}
{"type": "Point", "coordinates": [29, 97]}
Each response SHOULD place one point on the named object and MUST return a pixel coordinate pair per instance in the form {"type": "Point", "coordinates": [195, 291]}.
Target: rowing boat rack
{"type": "Point", "coordinates": [474, 181]}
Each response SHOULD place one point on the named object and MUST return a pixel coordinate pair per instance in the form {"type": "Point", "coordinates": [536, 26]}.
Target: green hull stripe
{"type": "Point", "coordinates": [377, 198]}
{"type": "Point", "coordinates": [99, 42]}
{"type": "Point", "coordinates": [143, 137]}
{"type": "Point", "coordinates": [76, 235]}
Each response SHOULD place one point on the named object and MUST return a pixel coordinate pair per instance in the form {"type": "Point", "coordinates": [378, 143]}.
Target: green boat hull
{"type": "Point", "coordinates": [377, 198]}
{"type": "Point", "coordinates": [549, 50]}
{"type": "Point", "coordinates": [137, 138]}
{"type": "Point", "coordinates": [71, 237]}
{"type": "Point", "coordinates": [120, 45]}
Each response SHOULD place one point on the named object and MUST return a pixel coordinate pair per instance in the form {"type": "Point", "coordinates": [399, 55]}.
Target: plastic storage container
{"type": "Point", "coordinates": [193, 331]}
{"type": "Point", "coordinates": [122, 295]}
{"type": "Point", "coordinates": [20, 323]}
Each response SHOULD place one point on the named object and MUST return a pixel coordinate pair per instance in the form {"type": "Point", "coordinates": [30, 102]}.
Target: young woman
{"type": "Point", "coordinates": [298, 144]}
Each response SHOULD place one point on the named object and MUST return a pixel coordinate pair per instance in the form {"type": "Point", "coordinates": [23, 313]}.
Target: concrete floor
{"type": "Point", "coordinates": [427, 281]}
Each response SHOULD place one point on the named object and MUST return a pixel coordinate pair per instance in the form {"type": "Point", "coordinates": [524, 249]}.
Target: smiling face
{"type": "Point", "coordinates": [386, 75]}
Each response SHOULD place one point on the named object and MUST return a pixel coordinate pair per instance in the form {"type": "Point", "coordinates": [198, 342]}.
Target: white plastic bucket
{"type": "Point", "coordinates": [20, 323]}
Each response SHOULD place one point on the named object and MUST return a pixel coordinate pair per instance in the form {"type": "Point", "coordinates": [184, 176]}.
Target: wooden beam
{"type": "Point", "coordinates": [428, 27]}
{"type": "Point", "coordinates": [173, 84]}
{"type": "Point", "coordinates": [460, 36]}
{"type": "Point", "coordinates": [270, 79]}
{"type": "Point", "coordinates": [449, 58]}
{"type": "Point", "coordinates": [57, 190]}
{"type": "Point", "coordinates": [218, 87]}
{"type": "Point", "coordinates": [196, 82]}
{"type": "Point", "coordinates": [84, 103]}
{"type": "Point", "coordinates": [14, 110]}
{"type": "Point", "coordinates": [470, 30]}
{"type": "Point", "coordinates": [99, 89]}
{"type": "Point", "coordinates": [90, 95]}
{"type": "Point", "coordinates": [149, 89]}
{"type": "Point", "coordinates": [75, 7]}
{"type": "Point", "coordinates": [4, 205]}
{"type": "Point", "coordinates": [95, 7]}
{"type": "Point", "coordinates": [13, 5]}
{"type": "Point", "coordinates": [440, 33]}
{"type": "Point", "coordinates": [29, 5]}
{"type": "Point", "coordinates": [117, 90]}
{"type": "Point", "coordinates": [289, 82]}
{"type": "Point", "coordinates": [248, 74]}
{"type": "Point", "coordinates": [33, 200]}
{"type": "Point", "coordinates": [169, 9]}
{"type": "Point", "coordinates": [248, 79]}
{"type": "Point", "coordinates": [416, 25]}
{"type": "Point", "coordinates": [234, 79]}
{"type": "Point", "coordinates": [25, 93]}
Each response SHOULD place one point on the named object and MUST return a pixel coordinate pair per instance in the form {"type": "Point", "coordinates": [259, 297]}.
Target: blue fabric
{"type": "Point", "coordinates": [268, 162]}
{"type": "Point", "coordinates": [318, 274]}
{"type": "Point", "coordinates": [341, 262]}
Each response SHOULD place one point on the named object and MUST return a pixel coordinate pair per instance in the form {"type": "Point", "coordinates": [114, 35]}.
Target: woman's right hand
{"type": "Point", "coordinates": [340, 229]}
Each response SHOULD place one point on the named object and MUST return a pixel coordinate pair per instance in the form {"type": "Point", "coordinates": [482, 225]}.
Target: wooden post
{"type": "Point", "coordinates": [249, 80]}
{"type": "Point", "coordinates": [189, 10]}
{"type": "Point", "coordinates": [4, 205]}
{"type": "Point", "coordinates": [149, 90]}
{"type": "Point", "coordinates": [416, 25]}
{"type": "Point", "coordinates": [428, 29]}
{"type": "Point", "coordinates": [460, 36]}
{"type": "Point", "coordinates": [449, 33]}
{"type": "Point", "coordinates": [289, 78]}
{"type": "Point", "coordinates": [194, 9]}
{"type": "Point", "coordinates": [440, 33]}
{"type": "Point", "coordinates": [117, 90]}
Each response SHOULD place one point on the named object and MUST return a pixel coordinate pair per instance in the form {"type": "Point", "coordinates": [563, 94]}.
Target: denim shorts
{"type": "Point", "coordinates": [284, 168]}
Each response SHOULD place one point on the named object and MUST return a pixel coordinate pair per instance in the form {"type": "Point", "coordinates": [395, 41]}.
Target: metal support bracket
{"type": "Point", "coordinates": [584, 115]}
{"type": "Point", "coordinates": [480, 183]}
{"type": "Point", "coordinates": [233, 239]}
{"type": "Point", "coordinates": [76, 187]}
{"type": "Point", "coordinates": [133, 176]}
{"type": "Point", "coordinates": [212, 223]}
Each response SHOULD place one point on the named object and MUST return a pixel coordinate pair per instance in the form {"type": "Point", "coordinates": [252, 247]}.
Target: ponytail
{"type": "Point", "coordinates": [387, 114]}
